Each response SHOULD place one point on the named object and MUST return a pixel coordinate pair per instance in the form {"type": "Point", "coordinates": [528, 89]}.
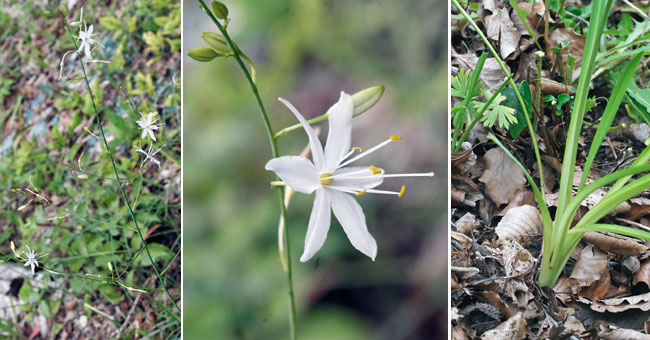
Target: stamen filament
{"type": "Point", "coordinates": [356, 191]}
{"type": "Point", "coordinates": [369, 151]}
{"type": "Point", "coordinates": [428, 174]}
{"type": "Point", "coordinates": [347, 174]}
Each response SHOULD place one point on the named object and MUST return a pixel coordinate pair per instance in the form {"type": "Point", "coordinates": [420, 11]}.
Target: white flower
{"type": "Point", "coordinates": [149, 155]}
{"type": "Point", "coordinates": [31, 258]}
{"type": "Point", "coordinates": [86, 38]}
{"type": "Point", "coordinates": [332, 181]}
{"type": "Point", "coordinates": [147, 125]}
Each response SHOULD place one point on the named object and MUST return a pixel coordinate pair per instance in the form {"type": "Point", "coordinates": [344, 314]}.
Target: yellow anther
{"type": "Point", "coordinates": [375, 170]}
{"type": "Point", "coordinates": [395, 137]}
{"type": "Point", "coordinates": [357, 148]}
{"type": "Point", "coordinates": [361, 192]}
{"type": "Point", "coordinates": [324, 180]}
{"type": "Point", "coordinates": [401, 192]}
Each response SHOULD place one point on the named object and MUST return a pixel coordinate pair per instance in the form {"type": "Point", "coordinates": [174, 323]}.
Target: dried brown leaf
{"type": "Point", "coordinates": [516, 259]}
{"type": "Point", "coordinates": [643, 275]}
{"type": "Point", "coordinates": [492, 75]}
{"type": "Point", "coordinates": [467, 223]}
{"type": "Point", "coordinates": [512, 329]}
{"type": "Point", "coordinates": [621, 334]}
{"type": "Point", "coordinates": [459, 158]}
{"type": "Point", "coordinates": [562, 289]}
{"type": "Point", "coordinates": [620, 245]}
{"type": "Point", "coordinates": [615, 305]}
{"type": "Point", "coordinates": [590, 267]}
{"type": "Point", "coordinates": [599, 288]}
{"type": "Point", "coordinates": [556, 88]}
{"type": "Point", "coordinates": [639, 207]}
{"type": "Point", "coordinates": [457, 196]}
{"type": "Point", "coordinates": [457, 333]}
{"type": "Point", "coordinates": [520, 223]}
{"type": "Point", "coordinates": [502, 177]}
{"type": "Point", "coordinates": [575, 47]}
{"type": "Point", "coordinates": [501, 30]}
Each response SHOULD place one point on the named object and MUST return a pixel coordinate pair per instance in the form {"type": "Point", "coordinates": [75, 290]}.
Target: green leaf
{"type": "Point", "coordinates": [158, 252]}
{"type": "Point", "coordinates": [111, 23]}
{"type": "Point", "coordinates": [512, 102]}
{"type": "Point", "coordinates": [44, 308]}
{"type": "Point", "coordinates": [108, 292]}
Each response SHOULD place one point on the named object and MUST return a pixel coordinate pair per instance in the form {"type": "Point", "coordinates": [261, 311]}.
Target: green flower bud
{"type": "Point", "coordinates": [364, 100]}
{"type": "Point", "coordinates": [216, 41]}
{"type": "Point", "coordinates": [220, 10]}
{"type": "Point", "coordinates": [202, 54]}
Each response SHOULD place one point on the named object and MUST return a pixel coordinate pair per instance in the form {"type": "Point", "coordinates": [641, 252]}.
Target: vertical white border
{"type": "Point", "coordinates": [448, 169]}
{"type": "Point", "coordinates": [182, 164]}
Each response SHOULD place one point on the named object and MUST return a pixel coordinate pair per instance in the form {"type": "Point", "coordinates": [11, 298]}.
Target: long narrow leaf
{"type": "Point", "coordinates": [596, 26]}
{"type": "Point", "coordinates": [609, 114]}
{"type": "Point", "coordinates": [612, 228]}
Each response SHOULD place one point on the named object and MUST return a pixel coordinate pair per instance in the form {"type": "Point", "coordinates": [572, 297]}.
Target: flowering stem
{"type": "Point", "coordinates": [110, 156]}
{"type": "Point", "coordinates": [274, 150]}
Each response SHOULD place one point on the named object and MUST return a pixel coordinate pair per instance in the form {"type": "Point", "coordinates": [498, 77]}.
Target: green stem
{"type": "Point", "coordinates": [110, 156]}
{"type": "Point", "coordinates": [469, 128]}
{"type": "Point", "coordinates": [274, 149]}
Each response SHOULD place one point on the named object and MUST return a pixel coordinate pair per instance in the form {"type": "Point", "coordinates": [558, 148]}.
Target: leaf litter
{"type": "Point", "coordinates": [496, 243]}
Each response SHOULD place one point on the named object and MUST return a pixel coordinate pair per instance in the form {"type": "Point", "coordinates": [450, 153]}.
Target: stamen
{"type": "Point", "coordinates": [427, 174]}
{"type": "Point", "coordinates": [325, 179]}
{"type": "Point", "coordinates": [401, 192]}
{"type": "Point", "coordinates": [357, 148]}
{"type": "Point", "coordinates": [395, 137]}
{"type": "Point", "coordinates": [369, 151]}
{"type": "Point", "coordinates": [349, 174]}
{"type": "Point", "coordinates": [375, 170]}
{"type": "Point", "coordinates": [356, 191]}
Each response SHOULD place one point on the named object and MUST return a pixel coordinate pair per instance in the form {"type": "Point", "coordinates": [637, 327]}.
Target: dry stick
{"type": "Point", "coordinates": [128, 316]}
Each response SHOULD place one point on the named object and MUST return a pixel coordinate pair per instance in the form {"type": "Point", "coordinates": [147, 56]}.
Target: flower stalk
{"type": "Point", "coordinates": [274, 151]}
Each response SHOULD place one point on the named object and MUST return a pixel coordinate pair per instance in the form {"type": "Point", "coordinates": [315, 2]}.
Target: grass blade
{"type": "Point", "coordinates": [609, 114]}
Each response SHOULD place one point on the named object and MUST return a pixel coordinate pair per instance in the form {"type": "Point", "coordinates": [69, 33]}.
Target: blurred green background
{"type": "Point", "coordinates": [308, 51]}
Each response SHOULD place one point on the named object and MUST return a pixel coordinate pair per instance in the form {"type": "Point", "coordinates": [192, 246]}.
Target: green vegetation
{"type": "Point", "coordinates": [62, 194]}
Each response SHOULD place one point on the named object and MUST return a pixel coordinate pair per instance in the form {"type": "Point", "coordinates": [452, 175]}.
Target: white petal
{"type": "Point", "coordinates": [87, 51]}
{"type": "Point", "coordinates": [297, 172]}
{"type": "Point", "coordinates": [353, 221]}
{"type": "Point", "coordinates": [144, 133]}
{"type": "Point", "coordinates": [151, 135]}
{"type": "Point", "coordinates": [338, 137]}
{"type": "Point", "coordinates": [370, 181]}
{"type": "Point", "coordinates": [314, 143]}
{"type": "Point", "coordinates": [319, 225]}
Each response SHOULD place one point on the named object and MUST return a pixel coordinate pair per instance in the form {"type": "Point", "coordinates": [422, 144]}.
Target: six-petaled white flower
{"type": "Point", "coordinates": [86, 39]}
{"type": "Point", "coordinates": [148, 154]}
{"type": "Point", "coordinates": [147, 124]}
{"type": "Point", "coordinates": [332, 181]}
{"type": "Point", "coordinates": [32, 258]}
